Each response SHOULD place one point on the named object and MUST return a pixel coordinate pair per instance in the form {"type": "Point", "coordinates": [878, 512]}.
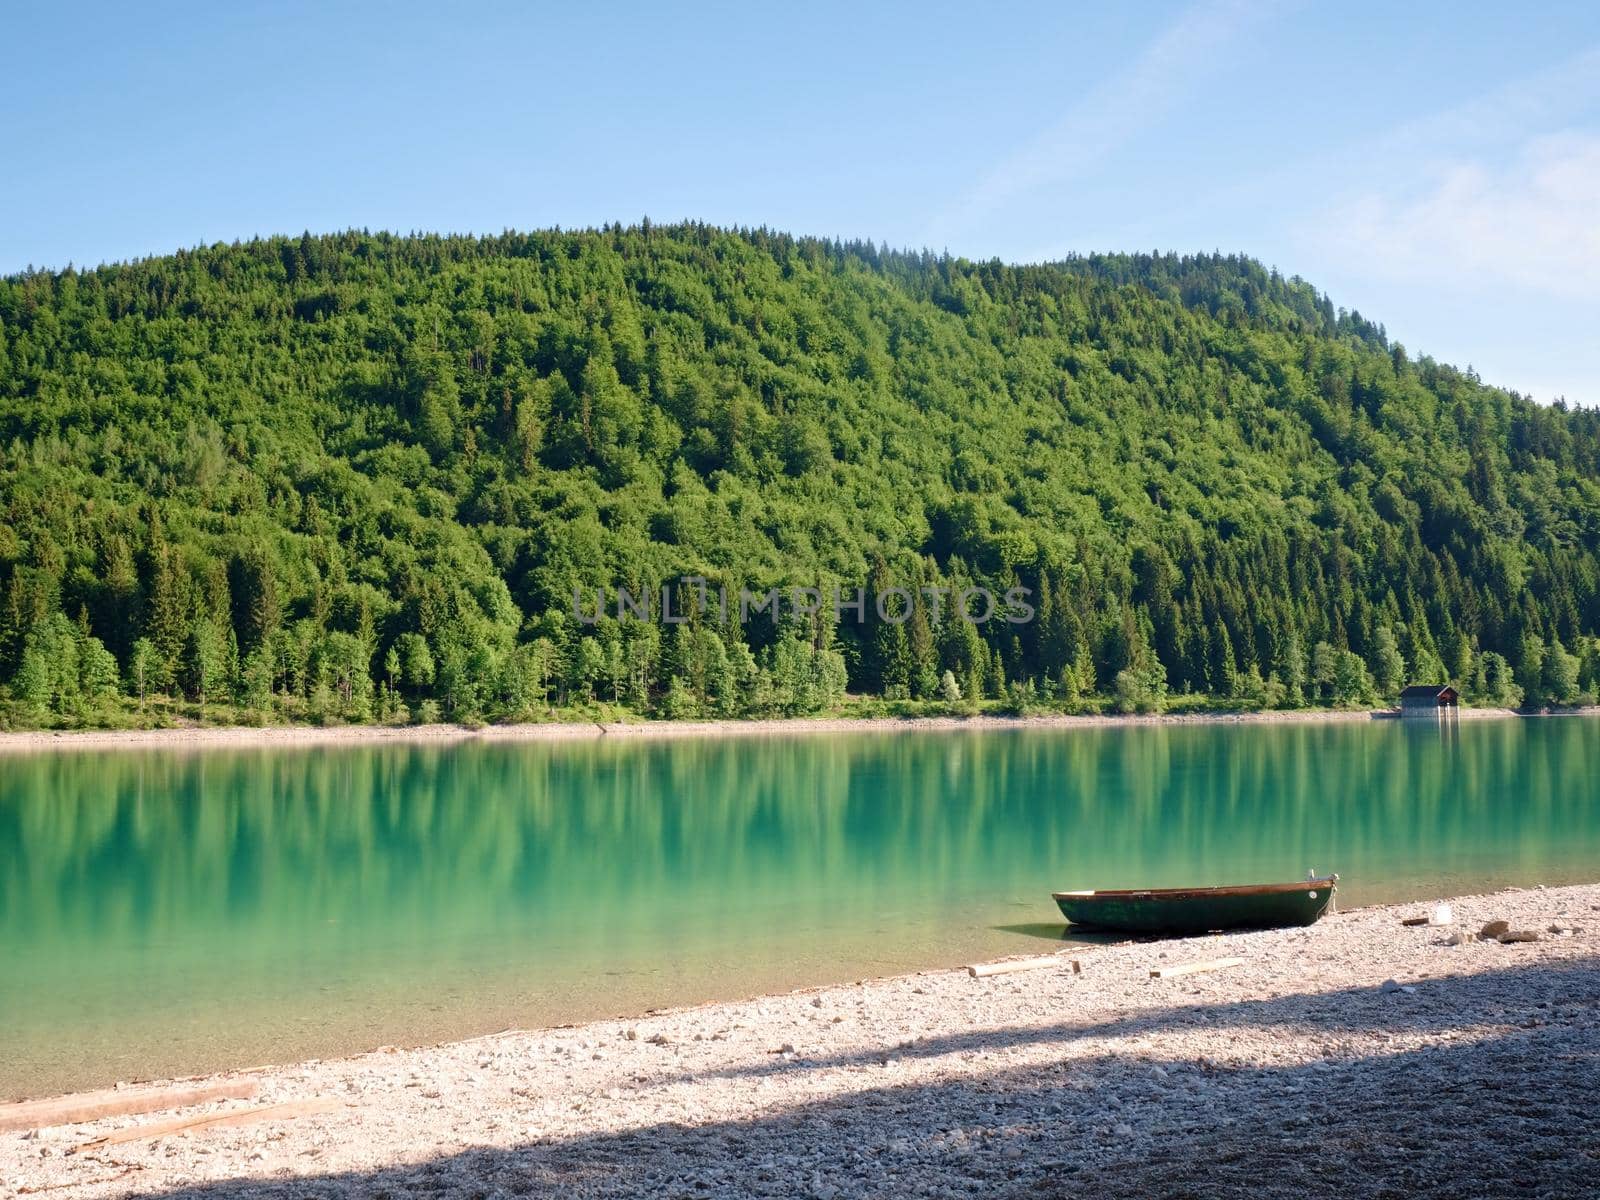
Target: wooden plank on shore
{"type": "Point", "coordinates": [118, 1102]}
{"type": "Point", "coordinates": [286, 1111]}
{"type": "Point", "coordinates": [1213, 964]}
{"type": "Point", "coordinates": [984, 970]}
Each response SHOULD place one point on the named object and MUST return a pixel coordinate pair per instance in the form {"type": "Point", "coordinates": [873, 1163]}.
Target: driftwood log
{"type": "Point", "coordinates": [118, 1102]}
{"type": "Point", "coordinates": [286, 1111]}
{"type": "Point", "coordinates": [1213, 964]}
{"type": "Point", "coordinates": [984, 970]}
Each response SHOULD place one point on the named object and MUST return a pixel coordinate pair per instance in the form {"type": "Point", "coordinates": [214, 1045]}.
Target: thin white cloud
{"type": "Point", "coordinates": [1531, 222]}
{"type": "Point", "coordinates": [1563, 96]}
{"type": "Point", "coordinates": [1108, 116]}
{"type": "Point", "coordinates": [1540, 100]}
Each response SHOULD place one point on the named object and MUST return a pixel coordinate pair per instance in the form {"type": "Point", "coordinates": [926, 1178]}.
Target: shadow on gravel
{"type": "Point", "coordinates": [1514, 1112]}
{"type": "Point", "coordinates": [1067, 935]}
{"type": "Point", "coordinates": [1489, 997]}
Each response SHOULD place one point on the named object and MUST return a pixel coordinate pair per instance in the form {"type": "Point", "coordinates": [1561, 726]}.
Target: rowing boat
{"type": "Point", "coordinates": [1199, 910]}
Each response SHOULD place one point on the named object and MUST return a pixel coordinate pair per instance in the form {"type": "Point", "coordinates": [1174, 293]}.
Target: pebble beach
{"type": "Point", "coordinates": [1363, 1053]}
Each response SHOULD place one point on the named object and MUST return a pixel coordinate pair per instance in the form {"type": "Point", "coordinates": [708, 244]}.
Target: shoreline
{"type": "Point", "coordinates": [298, 736]}
{"type": "Point", "coordinates": [1278, 1068]}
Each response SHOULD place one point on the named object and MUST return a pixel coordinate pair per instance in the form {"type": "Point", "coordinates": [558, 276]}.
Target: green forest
{"type": "Point", "coordinates": [363, 477]}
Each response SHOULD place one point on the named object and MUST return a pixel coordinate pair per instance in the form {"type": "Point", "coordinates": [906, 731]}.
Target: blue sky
{"type": "Point", "coordinates": [1436, 166]}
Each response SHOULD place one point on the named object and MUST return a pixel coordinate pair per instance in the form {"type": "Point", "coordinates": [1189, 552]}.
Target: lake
{"type": "Point", "coordinates": [175, 911]}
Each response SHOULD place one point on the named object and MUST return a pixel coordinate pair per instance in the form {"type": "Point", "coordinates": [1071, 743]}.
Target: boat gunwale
{"type": "Point", "coordinates": [1245, 889]}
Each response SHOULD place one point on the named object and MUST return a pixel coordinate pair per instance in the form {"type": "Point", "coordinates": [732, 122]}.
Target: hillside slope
{"type": "Point", "coordinates": [325, 476]}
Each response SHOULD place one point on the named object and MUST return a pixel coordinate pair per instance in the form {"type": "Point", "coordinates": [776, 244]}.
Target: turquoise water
{"type": "Point", "coordinates": [169, 912]}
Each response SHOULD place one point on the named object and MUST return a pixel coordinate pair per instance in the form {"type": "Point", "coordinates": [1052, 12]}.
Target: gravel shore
{"type": "Point", "coordinates": [197, 737]}
{"type": "Point", "coordinates": [1360, 1054]}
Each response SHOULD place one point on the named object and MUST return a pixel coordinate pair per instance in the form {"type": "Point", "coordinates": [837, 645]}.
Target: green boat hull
{"type": "Point", "coordinates": [1199, 910]}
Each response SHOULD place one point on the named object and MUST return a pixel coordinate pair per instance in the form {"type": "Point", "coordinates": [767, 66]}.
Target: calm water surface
{"type": "Point", "coordinates": [169, 912]}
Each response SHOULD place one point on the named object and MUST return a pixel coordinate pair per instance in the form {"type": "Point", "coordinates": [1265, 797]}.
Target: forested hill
{"type": "Point", "coordinates": [360, 476]}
